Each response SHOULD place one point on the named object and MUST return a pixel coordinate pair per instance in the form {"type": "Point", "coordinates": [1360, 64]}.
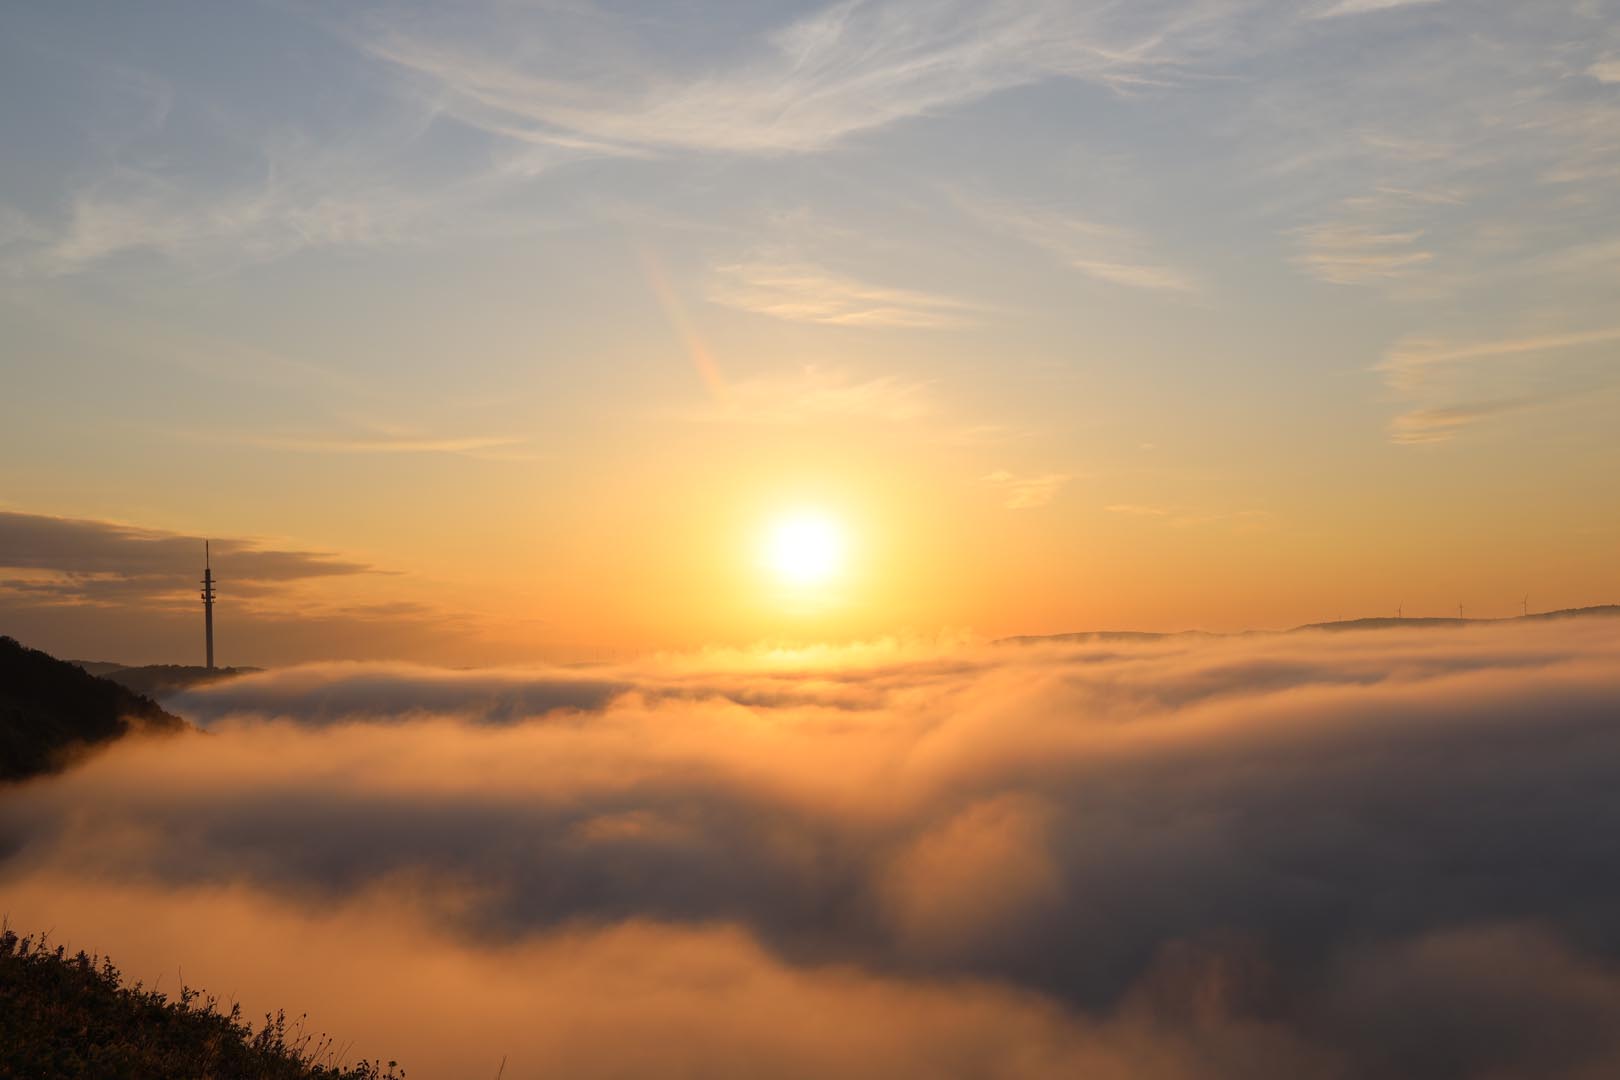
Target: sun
{"type": "Point", "coordinates": [804, 550]}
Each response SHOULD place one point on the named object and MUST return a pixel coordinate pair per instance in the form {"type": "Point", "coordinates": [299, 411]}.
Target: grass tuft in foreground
{"type": "Point", "coordinates": [72, 1016]}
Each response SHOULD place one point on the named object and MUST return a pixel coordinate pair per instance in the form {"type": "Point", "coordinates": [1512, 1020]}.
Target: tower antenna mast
{"type": "Point", "coordinates": [208, 603]}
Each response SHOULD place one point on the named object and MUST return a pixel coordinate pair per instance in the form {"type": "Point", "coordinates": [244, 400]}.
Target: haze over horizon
{"type": "Point", "coordinates": [493, 332]}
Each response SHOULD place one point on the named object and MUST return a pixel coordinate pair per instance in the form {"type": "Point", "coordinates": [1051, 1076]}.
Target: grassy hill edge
{"type": "Point", "coordinates": [71, 1016]}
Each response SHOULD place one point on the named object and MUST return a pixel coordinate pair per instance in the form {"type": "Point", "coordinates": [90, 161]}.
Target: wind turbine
{"type": "Point", "coordinates": [1524, 605]}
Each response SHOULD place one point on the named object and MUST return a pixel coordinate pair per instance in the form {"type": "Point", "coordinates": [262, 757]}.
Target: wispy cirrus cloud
{"type": "Point", "coordinates": [485, 447]}
{"type": "Point", "coordinates": [845, 69]}
{"type": "Point", "coordinates": [1476, 123]}
{"type": "Point", "coordinates": [1364, 7]}
{"type": "Point", "coordinates": [815, 393]}
{"type": "Point", "coordinates": [1443, 423]}
{"type": "Point", "coordinates": [1107, 253]}
{"type": "Point", "coordinates": [807, 292]}
{"type": "Point", "coordinates": [1409, 361]}
{"type": "Point", "coordinates": [1239, 520]}
{"type": "Point", "coordinates": [1379, 237]}
{"type": "Point", "coordinates": [303, 198]}
{"type": "Point", "coordinates": [282, 195]}
{"type": "Point", "coordinates": [143, 214]}
{"type": "Point", "coordinates": [1027, 492]}
{"type": "Point", "coordinates": [553, 84]}
{"type": "Point", "coordinates": [1350, 254]}
{"type": "Point", "coordinates": [197, 182]}
{"type": "Point", "coordinates": [1433, 370]}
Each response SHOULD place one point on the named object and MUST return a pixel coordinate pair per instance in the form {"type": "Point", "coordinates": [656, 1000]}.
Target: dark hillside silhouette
{"type": "Point", "coordinates": [50, 710]}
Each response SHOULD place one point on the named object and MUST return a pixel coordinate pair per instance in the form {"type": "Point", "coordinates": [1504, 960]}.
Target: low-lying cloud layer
{"type": "Point", "coordinates": [1387, 853]}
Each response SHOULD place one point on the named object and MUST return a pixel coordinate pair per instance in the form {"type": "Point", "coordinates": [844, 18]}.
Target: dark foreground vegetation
{"type": "Point", "coordinates": [71, 1016]}
{"type": "Point", "coordinates": [51, 711]}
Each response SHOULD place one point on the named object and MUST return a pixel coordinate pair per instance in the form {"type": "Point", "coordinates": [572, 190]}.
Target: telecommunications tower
{"type": "Point", "coordinates": [208, 603]}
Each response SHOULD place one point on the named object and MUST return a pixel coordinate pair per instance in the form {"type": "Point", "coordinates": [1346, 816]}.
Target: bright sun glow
{"type": "Point", "coordinates": [804, 550]}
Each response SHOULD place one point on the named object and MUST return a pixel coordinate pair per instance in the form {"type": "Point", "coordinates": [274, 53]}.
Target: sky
{"type": "Point", "coordinates": [488, 332]}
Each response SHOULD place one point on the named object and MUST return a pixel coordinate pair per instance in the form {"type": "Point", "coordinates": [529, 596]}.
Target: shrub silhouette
{"type": "Point", "coordinates": [71, 1016]}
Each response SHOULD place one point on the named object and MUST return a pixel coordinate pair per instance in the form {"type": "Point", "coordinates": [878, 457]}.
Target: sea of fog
{"type": "Point", "coordinates": [1369, 854]}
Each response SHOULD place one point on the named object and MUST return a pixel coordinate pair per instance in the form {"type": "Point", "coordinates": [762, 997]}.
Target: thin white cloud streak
{"type": "Point", "coordinates": [279, 194]}
{"type": "Point", "coordinates": [1403, 161]}
{"type": "Point", "coordinates": [1261, 856]}
{"type": "Point", "coordinates": [135, 211]}
{"type": "Point", "coordinates": [1242, 520]}
{"type": "Point", "coordinates": [1412, 356]}
{"type": "Point", "coordinates": [1106, 253]}
{"type": "Point", "coordinates": [1027, 492]}
{"type": "Point", "coordinates": [847, 69]}
{"type": "Point", "coordinates": [1424, 369]}
{"type": "Point", "coordinates": [1443, 423]}
{"type": "Point", "coordinates": [817, 394]}
{"type": "Point", "coordinates": [1394, 159]}
{"type": "Point", "coordinates": [806, 292]}
{"type": "Point", "coordinates": [1365, 7]}
{"type": "Point", "coordinates": [1379, 237]}
{"type": "Point", "coordinates": [263, 224]}
{"type": "Point", "coordinates": [484, 447]}
{"type": "Point", "coordinates": [1356, 255]}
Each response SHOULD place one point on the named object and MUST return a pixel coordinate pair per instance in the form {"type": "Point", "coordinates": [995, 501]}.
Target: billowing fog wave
{"type": "Point", "coordinates": [1373, 854]}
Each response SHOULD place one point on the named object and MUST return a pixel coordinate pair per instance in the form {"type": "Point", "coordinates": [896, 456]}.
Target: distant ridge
{"type": "Point", "coordinates": [1386, 623]}
{"type": "Point", "coordinates": [98, 667]}
{"type": "Point", "coordinates": [51, 711]}
{"type": "Point", "coordinates": [1383, 623]}
{"type": "Point", "coordinates": [1599, 611]}
{"type": "Point", "coordinates": [1575, 612]}
{"type": "Point", "coordinates": [161, 680]}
